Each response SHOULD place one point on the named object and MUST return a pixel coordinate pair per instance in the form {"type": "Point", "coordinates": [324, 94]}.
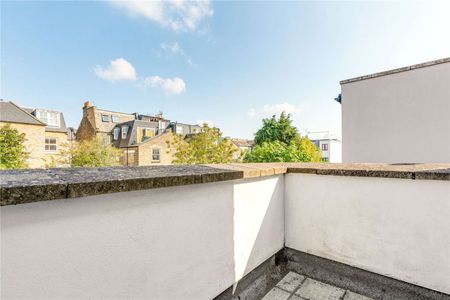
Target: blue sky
{"type": "Point", "coordinates": [231, 63]}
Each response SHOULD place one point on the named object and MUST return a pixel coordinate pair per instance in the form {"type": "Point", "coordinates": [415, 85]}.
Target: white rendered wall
{"type": "Point", "coordinates": [395, 227]}
{"type": "Point", "coordinates": [335, 151]}
{"type": "Point", "coordinates": [398, 118]}
{"type": "Point", "coordinates": [188, 242]}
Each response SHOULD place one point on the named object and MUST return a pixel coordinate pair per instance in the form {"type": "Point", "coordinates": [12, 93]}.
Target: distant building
{"type": "Point", "coordinates": [45, 131]}
{"type": "Point", "coordinates": [329, 146]}
{"type": "Point", "coordinates": [398, 116]}
{"type": "Point", "coordinates": [143, 138]}
{"type": "Point", "coordinates": [242, 146]}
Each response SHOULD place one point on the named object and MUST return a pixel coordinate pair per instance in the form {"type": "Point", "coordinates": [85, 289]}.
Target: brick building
{"type": "Point", "coordinates": [143, 138]}
{"type": "Point", "coordinates": [45, 131]}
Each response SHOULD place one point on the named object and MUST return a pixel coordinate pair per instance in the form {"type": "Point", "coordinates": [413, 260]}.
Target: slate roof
{"type": "Point", "coordinates": [243, 143]}
{"type": "Point", "coordinates": [10, 112]}
{"type": "Point", "coordinates": [133, 126]}
{"type": "Point", "coordinates": [62, 123]}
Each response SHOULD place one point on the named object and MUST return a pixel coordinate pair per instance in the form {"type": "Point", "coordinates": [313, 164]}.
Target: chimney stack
{"type": "Point", "coordinates": [86, 106]}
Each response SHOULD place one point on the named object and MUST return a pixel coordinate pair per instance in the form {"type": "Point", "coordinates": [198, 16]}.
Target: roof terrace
{"type": "Point", "coordinates": [238, 231]}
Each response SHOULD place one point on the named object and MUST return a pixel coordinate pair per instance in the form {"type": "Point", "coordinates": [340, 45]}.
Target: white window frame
{"type": "Point", "coordinates": [105, 115]}
{"type": "Point", "coordinates": [116, 133]}
{"type": "Point", "coordinates": [51, 144]}
{"type": "Point", "coordinates": [50, 118]}
{"type": "Point", "coordinates": [124, 132]}
{"type": "Point", "coordinates": [115, 116]}
{"type": "Point", "coordinates": [156, 154]}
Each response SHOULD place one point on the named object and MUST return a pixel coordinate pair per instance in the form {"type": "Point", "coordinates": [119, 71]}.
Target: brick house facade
{"type": "Point", "coordinates": [45, 132]}
{"type": "Point", "coordinates": [143, 138]}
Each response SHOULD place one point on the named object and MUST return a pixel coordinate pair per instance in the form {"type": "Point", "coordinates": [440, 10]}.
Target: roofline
{"type": "Point", "coordinates": [146, 141]}
{"type": "Point", "coordinates": [27, 114]}
{"type": "Point", "coordinates": [398, 70]}
{"type": "Point", "coordinates": [318, 140]}
{"type": "Point", "coordinates": [111, 111]}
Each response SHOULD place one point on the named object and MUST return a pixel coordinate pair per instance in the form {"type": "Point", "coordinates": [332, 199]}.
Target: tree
{"type": "Point", "coordinates": [12, 150]}
{"type": "Point", "coordinates": [207, 147]}
{"type": "Point", "coordinates": [92, 153]}
{"type": "Point", "coordinates": [276, 130]}
{"type": "Point", "coordinates": [279, 141]}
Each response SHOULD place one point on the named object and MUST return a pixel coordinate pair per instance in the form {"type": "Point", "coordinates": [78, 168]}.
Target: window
{"type": "Point", "coordinates": [124, 132]}
{"type": "Point", "coordinates": [325, 159]}
{"type": "Point", "coordinates": [148, 132]}
{"type": "Point", "coordinates": [50, 144]}
{"type": "Point", "coordinates": [115, 119]}
{"type": "Point", "coordinates": [49, 118]}
{"type": "Point", "coordinates": [105, 118]}
{"type": "Point", "coordinates": [106, 139]}
{"type": "Point", "coordinates": [116, 133]}
{"type": "Point", "coordinates": [155, 154]}
{"type": "Point", "coordinates": [324, 147]}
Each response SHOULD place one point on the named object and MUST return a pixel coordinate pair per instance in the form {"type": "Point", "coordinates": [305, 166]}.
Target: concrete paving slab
{"type": "Point", "coordinates": [276, 294]}
{"type": "Point", "coordinates": [316, 290]}
{"type": "Point", "coordinates": [354, 296]}
{"type": "Point", "coordinates": [291, 281]}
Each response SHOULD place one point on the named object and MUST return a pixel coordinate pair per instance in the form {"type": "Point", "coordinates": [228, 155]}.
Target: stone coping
{"type": "Point", "coordinates": [398, 70]}
{"type": "Point", "coordinates": [32, 185]}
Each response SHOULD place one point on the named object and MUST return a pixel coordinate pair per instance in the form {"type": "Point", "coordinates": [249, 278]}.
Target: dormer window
{"type": "Point", "coordinates": [124, 132]}
{"type": "Point", "coordinates": [105, 118]}
{"type": "Point", "coordinates": [48, 117]}
{"type": "Point", "coordinates": [115, 119]}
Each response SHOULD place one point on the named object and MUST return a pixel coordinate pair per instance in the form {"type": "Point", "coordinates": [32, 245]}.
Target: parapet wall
{"type": "Point", "coordinates": [193, 231]}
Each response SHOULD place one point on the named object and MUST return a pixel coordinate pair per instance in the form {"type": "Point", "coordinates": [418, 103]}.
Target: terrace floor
{"type": "Point", "coordinates": [298, 287]}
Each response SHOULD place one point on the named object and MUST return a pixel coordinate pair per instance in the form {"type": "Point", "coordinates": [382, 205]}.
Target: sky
{"type": "Point", "coordinates": [226, 63]}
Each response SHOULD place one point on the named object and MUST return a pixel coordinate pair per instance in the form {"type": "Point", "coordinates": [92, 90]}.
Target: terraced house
{"type": "Point", "coordinates": [143, 138]}
{"type": "Point", "coordinates": [45, 131]}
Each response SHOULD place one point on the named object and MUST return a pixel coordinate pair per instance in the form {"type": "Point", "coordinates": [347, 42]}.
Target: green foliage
{"type": "Point", "coordinates": [276, 130]}
{"type": "Point", "coordinates": [92, 153]}
{"type": "Point", "coordinates": [207, 147]}
{"type": "Point", "coordinates": [12, 149]}
{"type": "Point", "coordinates": [299, 150]}
{"type": "Point", "coordinates": [279, 141]}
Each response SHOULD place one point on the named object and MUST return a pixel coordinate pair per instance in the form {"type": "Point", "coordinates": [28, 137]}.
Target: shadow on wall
{"type": "Point", "coordinates": [180, 242]}
{"type": "Point", "coordinates": [166, 243]}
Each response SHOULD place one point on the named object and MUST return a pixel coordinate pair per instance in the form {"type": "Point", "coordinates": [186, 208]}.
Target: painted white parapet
{"type": "Point", "coordinates": [195, 241]}
{"type": "Point", "coordinates": [186, 242]}
{"type": "Point", "coordinates": [399, 228]}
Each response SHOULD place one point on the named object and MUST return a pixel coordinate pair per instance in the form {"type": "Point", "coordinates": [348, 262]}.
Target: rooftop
{"type": "Point", "coordinates": [398, 70]}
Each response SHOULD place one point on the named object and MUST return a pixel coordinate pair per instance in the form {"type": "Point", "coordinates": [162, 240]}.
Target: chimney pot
{"type": "Point", "coordinates": [87, 104]}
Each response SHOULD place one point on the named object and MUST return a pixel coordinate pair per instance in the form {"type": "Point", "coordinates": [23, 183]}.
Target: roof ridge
{"type": "Point", "coordinates": [22, 110]}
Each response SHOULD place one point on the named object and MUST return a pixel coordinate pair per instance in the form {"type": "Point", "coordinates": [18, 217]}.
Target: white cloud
{"type": "Point", "coordinates": [277, 109]}
{"type": "Point", "coordinates": [273, 109]}
{"type": "Point", "coordinates": [121, 69]}
{"type": "Point", "coordinates": [251, 112]}
{"type": "Point", "coordinates": [210, 123]}
{"type": "Point", "coordinates": [118, 69]}
{"type": "Point", "coordinates": [174, 85]}
{"type": "Point", "coordinates": [179, 15]}
{"type": "Point", "coordinates": [175, 48]}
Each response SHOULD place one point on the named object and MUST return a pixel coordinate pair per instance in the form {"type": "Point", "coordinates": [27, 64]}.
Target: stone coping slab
{"type": "Point", "coordinates": [398, 70]}
{"type": "Point", "coordinates": [32, 185]}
